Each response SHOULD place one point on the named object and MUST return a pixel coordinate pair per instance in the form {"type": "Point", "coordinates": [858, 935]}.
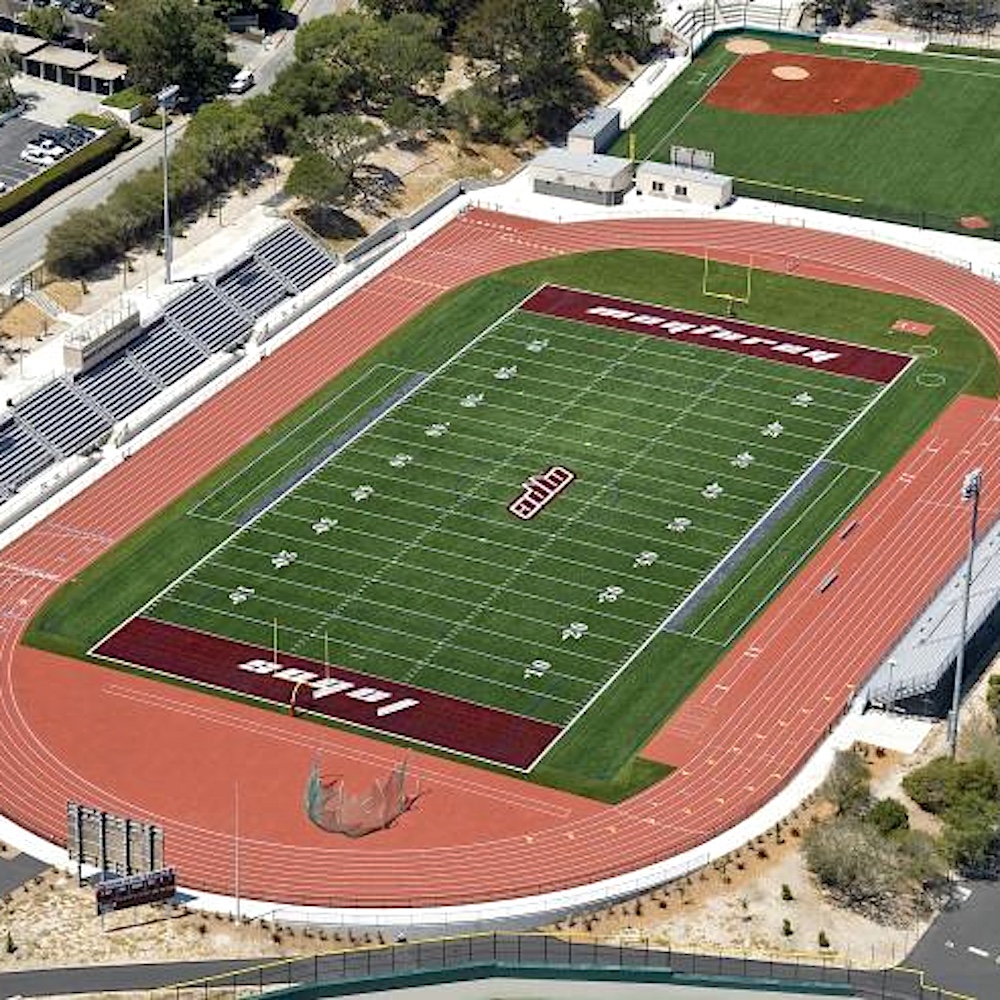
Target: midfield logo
{"type": "Point", "coordinates": [539, 490]}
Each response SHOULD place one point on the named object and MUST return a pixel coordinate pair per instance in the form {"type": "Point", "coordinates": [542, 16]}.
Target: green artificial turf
{"type": "Point", "coordinates": [431, 580]}
{"type": "Point", "coordinates": [928, 159]}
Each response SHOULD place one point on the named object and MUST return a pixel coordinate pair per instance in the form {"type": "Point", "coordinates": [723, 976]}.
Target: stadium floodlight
{"type": "Point", "coordinates": [972, 487]}
{"type": "Point", "coordinates": [166, 99]}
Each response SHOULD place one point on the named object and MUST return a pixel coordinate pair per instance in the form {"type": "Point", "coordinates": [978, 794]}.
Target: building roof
{"type": "Point", "coordinates": [23, 45]}
{"type": "Point", "coordinates": [595, 123]}
{"type": "Point", "coordinates": [53, 55]}
{"type": "Point", "coordinates": [676, 172]}
{"type": "Point", "coordinates": [591, 164]}
{"type": "Point", "coordinates": [106, 70]}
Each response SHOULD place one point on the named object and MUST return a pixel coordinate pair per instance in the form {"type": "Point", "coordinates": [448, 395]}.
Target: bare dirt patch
{"type": "Point", "coordinates": [974, 222]}
{"type": "Point", "coordinates": [790, 73]}
{"type": "Point", "coordinates": [747, 46]}
{"type": "Point", "coordinates": [830, 86]}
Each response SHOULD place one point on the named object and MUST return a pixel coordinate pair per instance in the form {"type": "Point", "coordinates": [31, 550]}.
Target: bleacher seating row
{"type": "Point", "coordinates": [73, 414]}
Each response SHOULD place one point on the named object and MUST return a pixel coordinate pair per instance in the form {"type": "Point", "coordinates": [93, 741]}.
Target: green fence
{"type": "Point", "coordinates": [531, 955]}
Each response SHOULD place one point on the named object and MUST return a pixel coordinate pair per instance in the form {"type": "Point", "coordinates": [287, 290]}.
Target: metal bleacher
{"type": "Point", "coordinates": [73, 414]}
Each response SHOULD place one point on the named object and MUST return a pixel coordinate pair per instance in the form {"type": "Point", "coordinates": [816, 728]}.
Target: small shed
{"type": "Point", "coordinates": [685, 184]}
{"type": "Point", "coordinates": [596, 132]}
{"type": "Point", "coordinates": [594, 178]}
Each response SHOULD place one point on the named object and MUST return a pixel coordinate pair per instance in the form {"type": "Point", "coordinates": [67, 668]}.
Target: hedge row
{"type": "Point", "coordinates": [36, 189]}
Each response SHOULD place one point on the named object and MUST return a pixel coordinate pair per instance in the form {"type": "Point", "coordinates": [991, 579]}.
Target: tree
{"type": "Point", "coordinates": [619, 27]}
{"type": "Point", "coordinates": [948, 16]}
{"type": "Point", "coordinates": [170, 41]}
{"type": "Point", "coordinates": [376, 60]}
{"type": "Point", "coordinates": [345, 140]}
{"type": "Point", "coordinates": [945, 783]}
{"type": "Point", "coordinates": [222, 143]}
{"type": "Point", "coordinates": [317, 180]}
{"type": "Point", "coordinates": [8, 70]}
{"type": "Point", "coordinates": [525, 49]}
{"type": "Point", "coordinates": [837, 12]}
{"type": "Point", "coordinates": [846, 785]}
{"type": "Point", "coordinates": [46, 22]}
{"type": "Point", "coordinates": [301, 92]}
{"type": "Point", "coordinates": [448, 12]}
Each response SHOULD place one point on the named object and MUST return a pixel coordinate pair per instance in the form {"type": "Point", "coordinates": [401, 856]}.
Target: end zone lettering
{"type": "Point", "coordinates": [737, 336]}
{"type": "Point", "coordinates": [813, 354]}
{"type": "Point", "coordinates": [323, 687]}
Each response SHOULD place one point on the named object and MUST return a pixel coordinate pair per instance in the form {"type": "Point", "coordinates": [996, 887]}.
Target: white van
{"type": "Point", "coordinates": [242, 82]}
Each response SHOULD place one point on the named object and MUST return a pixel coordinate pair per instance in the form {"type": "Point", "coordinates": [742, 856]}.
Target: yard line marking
{"type": "Point", "coordinates": [525, 375]}
{"type": "Point", "coordinates": [625, 554]}
{"type": "Point", "coordinates": [554, 347]}
{"type": "Point", "coordinates": [243, 527]}
{"type": "Point", "coordinates": [693, 356]}
{"type": "Point", "coordinates": [637, 418]}
{"type": "Point", "coordinates": [306, 449]}
{"type": "Point", "coordinates": [262, 597]}
{"type": "Point", "coordinates": [250, 619]}
{"type": "Point", "coordinates": [437, 594]}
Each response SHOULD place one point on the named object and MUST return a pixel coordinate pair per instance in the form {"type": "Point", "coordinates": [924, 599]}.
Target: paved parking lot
{"type": "Point", "coordinates": [13, 135]}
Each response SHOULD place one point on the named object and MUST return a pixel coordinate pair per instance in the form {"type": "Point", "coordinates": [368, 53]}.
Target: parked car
{"type": "Point", "coordinates": [37, 158]}
{"type": "Point", "coordinates": [3, 187]}
{"type": "Point", "coordinates": [46, 147]}
{"type": "Point", "coordinates": [242, 82]}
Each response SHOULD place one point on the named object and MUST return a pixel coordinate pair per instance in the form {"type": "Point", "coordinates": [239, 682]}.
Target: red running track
{"type": "Point", "coordinates": [73, 730]}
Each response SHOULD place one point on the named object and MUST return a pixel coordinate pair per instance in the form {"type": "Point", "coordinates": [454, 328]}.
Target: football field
{"type": "Point", "coordinates": [492, 543]}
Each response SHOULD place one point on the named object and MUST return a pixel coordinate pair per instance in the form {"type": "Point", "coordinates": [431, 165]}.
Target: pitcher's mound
{"type": "Point", "coordinates": [747, 46]}
{"type": "Point", "coordinates": [790, 73]}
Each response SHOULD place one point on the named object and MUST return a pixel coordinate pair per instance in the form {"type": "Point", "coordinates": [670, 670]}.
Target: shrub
{"type": "Point", "coordinates": [846, 785]}
{"type": "Point", "coordinates": [91, 121]}
{"type": "Point", "coordinates": [786, 892]}
{"type": "Point", "coordinates": [888, 816]}
{"type": "Point", "coordinates": [10, 946]}
{"type": "Point", "coordinates": [786, 927]}
{"type": "Point", "coordinates": [944, 782]}
{"type": "Point", "coordinates": [823, 940]}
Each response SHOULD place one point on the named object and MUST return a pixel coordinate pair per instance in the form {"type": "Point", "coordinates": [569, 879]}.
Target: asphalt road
{"type": "Point", "coordinates": [961, 949]}
{"type": "Point", "coordinates": [22, 242]}
{"type": "Point", "coordinates": [17, 871]}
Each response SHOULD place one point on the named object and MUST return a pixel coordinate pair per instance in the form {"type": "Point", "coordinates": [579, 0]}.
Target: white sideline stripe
{"type": "Point", "coordinates": [846, 430]}
{"type": "Point", "coordinates": [978, 951]}
{"type": "Point", "coordinates": [872, 477]}
{"type": "Point", "coordinates": [689, 354]}
{"type": "Point", "coordinates": [305, 450]}
{"type": "Point", "coordinates": [243, 527]}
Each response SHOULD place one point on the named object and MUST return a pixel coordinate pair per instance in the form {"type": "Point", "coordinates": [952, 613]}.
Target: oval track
{"type": "Point", "coordinates": [77, 731]}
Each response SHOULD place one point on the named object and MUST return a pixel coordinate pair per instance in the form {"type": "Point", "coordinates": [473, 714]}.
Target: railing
{"type": "Point", "coordinates": [542, 955]}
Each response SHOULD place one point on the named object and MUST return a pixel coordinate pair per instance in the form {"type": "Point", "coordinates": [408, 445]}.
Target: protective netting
{"type": "Point", "coordinates": [332, 808]}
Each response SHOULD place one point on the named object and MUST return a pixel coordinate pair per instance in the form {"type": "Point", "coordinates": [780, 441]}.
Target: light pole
{"type": "Point", "coordinates": [971, 488]}
{"type": "Point", "coordinates": [166, 99]}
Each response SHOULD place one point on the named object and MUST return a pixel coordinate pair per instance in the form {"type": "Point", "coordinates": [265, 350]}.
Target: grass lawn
{"type": "Point", "coordinates": [932, 152]}
{"type": "Point", "coordinates": [428, 579]}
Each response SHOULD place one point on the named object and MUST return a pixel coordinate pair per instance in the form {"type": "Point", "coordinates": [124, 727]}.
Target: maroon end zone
{"type": "Point", "coordinates": [734, 335]}
{"type": "Point", "coordinates": [398, 709]}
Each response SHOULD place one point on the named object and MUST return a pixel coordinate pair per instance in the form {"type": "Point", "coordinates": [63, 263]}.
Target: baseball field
{"type": "Point", "coordinates": [523, 528]}
{"type": "Point", "coordinates": [883, 134]}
